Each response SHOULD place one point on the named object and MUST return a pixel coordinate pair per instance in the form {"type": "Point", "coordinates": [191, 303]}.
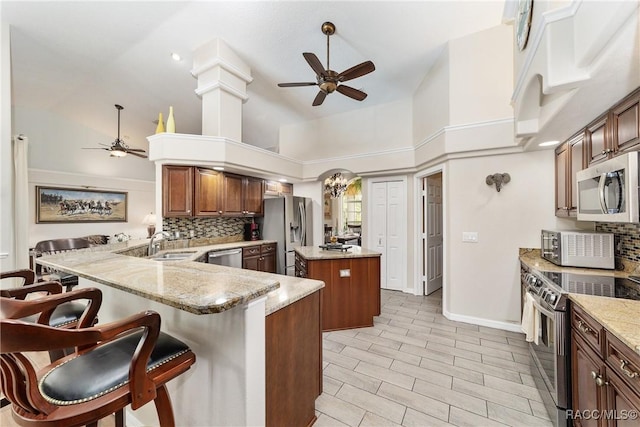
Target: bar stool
{"type": "Point", "coordinates": [115, 364]}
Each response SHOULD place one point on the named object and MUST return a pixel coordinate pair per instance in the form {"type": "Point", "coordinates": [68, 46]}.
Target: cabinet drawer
{"type": "Point", "coordinates": [623, 361]}
{"type": "Point", "coordinates": [250, 251]}
{"type": "Point", "coordinates": [587, 328]}
{"type": "Point", "coordinates": [301, 262]}
{"type": "Point", "coordinates": [268, 248]}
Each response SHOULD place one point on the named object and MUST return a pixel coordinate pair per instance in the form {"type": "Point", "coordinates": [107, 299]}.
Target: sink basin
{"type": "Point", "coordinates": [172, 256]}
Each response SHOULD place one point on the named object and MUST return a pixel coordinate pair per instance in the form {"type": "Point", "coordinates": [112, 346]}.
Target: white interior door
{"type": "Point", "coordinates": [379, 226]}
{"type": "Point", "coordinates": [433, 255]}
{"type": "Point", "coordinates": [388, 229]}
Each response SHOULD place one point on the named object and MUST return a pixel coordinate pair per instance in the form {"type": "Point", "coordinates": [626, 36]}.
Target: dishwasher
{"type": "Point", "coordinates": [228, 258]}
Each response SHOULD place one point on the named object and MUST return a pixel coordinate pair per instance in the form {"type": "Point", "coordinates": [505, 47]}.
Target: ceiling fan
{"type": "Point", "coordinates": [118, 148]}
{"type": "Point", "coordinates": [328, 80]}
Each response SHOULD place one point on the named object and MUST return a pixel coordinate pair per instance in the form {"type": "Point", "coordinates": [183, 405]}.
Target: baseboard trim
{"type": "Point", "coordinates": [495, 324]}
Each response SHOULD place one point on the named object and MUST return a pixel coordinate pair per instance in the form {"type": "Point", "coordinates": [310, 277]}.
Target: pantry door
{"type": "Point", "coordinates": [388, 219]}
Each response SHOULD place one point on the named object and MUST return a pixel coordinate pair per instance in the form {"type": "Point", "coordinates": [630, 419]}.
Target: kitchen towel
{"type": "Point", "coordinates": [530, 319]}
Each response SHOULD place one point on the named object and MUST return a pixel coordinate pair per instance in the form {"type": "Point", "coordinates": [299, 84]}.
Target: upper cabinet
{"type": "Point", "coordinates": [243, 195]}
{"type": "Point", "coordinates": [275, 188]}
{"type": "Point", "coordinates": [569, 160]}
{"type": "Point", "coordinates": [190, 191]}
{"type": "Point", "coordinates": [615, 132]}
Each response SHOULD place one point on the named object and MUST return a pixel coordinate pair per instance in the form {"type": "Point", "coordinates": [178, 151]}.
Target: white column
{"type": "Point", "coordinates": [222, 85]}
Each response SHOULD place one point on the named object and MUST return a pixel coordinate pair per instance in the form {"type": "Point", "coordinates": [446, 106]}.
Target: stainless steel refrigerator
{"type": "Point", "coordinates": [287, 220]}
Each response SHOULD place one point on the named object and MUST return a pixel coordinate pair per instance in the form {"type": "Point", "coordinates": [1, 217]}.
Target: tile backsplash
{"type": "Point", "coordinates": [205, 227]}
{"type": "Point", "coordinates": [627, 239]}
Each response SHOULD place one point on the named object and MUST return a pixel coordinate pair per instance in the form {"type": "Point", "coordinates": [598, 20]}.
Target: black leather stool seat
{"type": "Point", "coordinates": [104, 369]}
{"type": "Point", "coordinates": [64, 314]}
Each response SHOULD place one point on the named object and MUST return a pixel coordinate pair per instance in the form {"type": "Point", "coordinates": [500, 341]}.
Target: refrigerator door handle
{"type": "Point", "coordinates": [303, 224]}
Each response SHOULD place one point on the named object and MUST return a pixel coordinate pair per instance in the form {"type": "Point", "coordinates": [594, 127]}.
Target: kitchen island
{"type": "Point", "coordinates": [351, 297]}
{"type": "Point", "coordinates": [234, 320]}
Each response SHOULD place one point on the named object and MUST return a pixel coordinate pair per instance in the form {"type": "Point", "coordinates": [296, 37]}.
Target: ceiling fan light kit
{"type": "Point", "coordinates": [329, 81]}
{"type": "Point", "coordinates": [118, 148]}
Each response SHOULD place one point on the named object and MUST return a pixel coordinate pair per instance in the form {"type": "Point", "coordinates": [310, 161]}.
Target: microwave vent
{"type": "Point", "coordinates": [590, 245]}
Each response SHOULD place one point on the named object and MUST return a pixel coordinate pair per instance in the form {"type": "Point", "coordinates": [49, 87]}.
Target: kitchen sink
{"type": "Point", "coordinates": [173, 256]}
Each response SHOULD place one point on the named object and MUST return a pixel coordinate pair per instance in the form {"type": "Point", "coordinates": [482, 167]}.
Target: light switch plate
{"type": "Point", "coordinates": [470, 236]}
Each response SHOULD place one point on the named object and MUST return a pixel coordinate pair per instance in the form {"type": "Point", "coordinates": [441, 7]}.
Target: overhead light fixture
{"type": "Point", "coordinates": [218, 168]}
{"type": "Point", "coordinates": [176, 57]}
{"type": "Point", "coordinates": [117, 153]}
{"type": "Point", "coordinates": [548, 143]}
{"type": "Point", "coordinates": [282, 180]}
{"type": "Point", "coordinates": [335, 185]}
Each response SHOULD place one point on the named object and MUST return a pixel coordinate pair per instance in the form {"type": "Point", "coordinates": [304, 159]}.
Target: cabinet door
{"type": "Point", "coordinates": [252, 195]}
{"type": "Point", "coordinates": [597, 140]}
{"type": "Point", "coordinates": [251, 263]}
{"type": "Point", "coordinates": [625, 123]}
{"type": "Point", "coordinates": [621, 402]}
{"type": "Point", "coordinates": [233, 195]}
{"type": "Point", "coordinates": [587, 394]}
{"type": "Point", "coordinates": [177, 191]}
{"type": "Point", "coordinates": [576, 159]}
{"type": "Point", "coordinates": [562, 159]}
{"type": "Point", "coordinates": [268, 263]}
{"type": "Point", "coordinates": [208, 189]}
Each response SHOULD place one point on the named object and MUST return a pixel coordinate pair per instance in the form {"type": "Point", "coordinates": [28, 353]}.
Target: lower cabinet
{"type": "Point", "coordinates": [260, 257]}
{"type": "Point", "coordinates": [293, 362]}
{"type": "Point", "coordinates": [605, 376]}
{"type": "Point", "coordinates": [351, 296]}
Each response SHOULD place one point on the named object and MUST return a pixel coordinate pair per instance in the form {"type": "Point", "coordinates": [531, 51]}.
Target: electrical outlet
{"type": "Point", "coordinates": [470, 236]}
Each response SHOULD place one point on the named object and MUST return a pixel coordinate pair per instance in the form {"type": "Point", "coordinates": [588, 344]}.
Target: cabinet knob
{"type": "Point", "coordinates": [220, 212]}
{"type": "Point", "coordinates": [604, 152]}
{"type": "Point", "coordinates": [598, 379]}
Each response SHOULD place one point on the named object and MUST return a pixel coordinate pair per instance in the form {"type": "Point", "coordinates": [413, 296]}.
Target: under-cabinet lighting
{"type": "Point", "coordinates": [218, 168]}
{"type": "Point", "coordinates": [282, 180]}
{"type": "Point", "coordinates": [548, 143]}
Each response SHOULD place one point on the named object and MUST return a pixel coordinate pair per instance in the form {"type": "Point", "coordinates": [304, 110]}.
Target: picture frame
{"type": "Point", "coordinates": [327, 206]}
{"type": "Point", "coordinates": [72, 205]}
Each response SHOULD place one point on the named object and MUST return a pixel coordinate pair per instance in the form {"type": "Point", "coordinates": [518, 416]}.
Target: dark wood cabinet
{"type": "Point", "coordinates": [243, 195]}
{"type": "Point", "coordinates": [615, 132]}
{"type": "Point", "coordinates": [569, 160]}
{"type": "Point", "coordinates": [605, 375]}
{"type": "Point", "coordinates": [293, 344]}
{"type": "Point", "coordinates": [191, 191]}
{"type": "Point", "coordinates": [208, 192]}
{"type": "Point", "coordinates": [260, 257]}
{"type": "Point", "coordinates": [351, 296]}
{"type": "Point", "coordinates": [177, 191]}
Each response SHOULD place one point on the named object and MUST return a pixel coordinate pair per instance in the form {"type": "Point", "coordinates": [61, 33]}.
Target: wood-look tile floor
{"type": "Point", "coordinates": [416, 368]}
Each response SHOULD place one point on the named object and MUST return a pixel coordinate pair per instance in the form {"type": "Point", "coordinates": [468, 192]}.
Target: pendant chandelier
{"type": "Point", "coordinates": [335, 185]}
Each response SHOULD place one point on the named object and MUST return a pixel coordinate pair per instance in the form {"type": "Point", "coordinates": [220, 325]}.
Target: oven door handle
{"type": "Point", "coordinates": [541, 309]}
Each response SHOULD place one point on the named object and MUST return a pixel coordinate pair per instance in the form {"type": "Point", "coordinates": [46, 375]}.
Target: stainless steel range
{"type": "Point", "coordinates": [551, 351]}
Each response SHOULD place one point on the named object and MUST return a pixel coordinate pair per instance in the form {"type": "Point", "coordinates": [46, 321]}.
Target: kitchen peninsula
{"type": "Point", "coordinates": [351, 297]}
{"type": "Point", "coordinates": [245, 327]}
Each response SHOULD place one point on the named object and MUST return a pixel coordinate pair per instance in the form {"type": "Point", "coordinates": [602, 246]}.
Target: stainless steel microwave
{"type": "Point", "coordinates": [608, 191]}
{"type": "Point", "coordinates": [577, 248]}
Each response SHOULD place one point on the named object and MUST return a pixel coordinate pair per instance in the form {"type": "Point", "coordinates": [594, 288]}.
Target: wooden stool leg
{"type": "Point", "coordinates": [120, 418]}
{"type": "Point", "coordinates": [163, 407]}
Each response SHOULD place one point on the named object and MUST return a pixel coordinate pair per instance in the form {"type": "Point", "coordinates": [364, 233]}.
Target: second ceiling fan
{"type": "Point", "coordinates": [328, 80]}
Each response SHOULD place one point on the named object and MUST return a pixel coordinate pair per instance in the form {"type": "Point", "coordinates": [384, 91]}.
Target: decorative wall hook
{"type": "Point", "coordinates": [498, 179]}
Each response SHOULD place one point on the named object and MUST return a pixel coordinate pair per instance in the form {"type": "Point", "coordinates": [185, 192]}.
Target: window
{"type": "Point", "coordinates": [352, 205]}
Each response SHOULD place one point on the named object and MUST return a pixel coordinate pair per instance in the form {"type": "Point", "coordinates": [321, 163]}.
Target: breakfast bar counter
{"type": "Point", "coordinates": [229, 317]}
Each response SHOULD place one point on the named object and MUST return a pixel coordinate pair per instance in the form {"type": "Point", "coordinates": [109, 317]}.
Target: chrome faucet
{"type": "Point", "coordinates": [153, 245]}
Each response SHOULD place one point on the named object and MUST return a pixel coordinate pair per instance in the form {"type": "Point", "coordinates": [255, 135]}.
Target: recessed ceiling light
{"type": "Point", "coordinates": [548, 143]}
{"type": "Point", "coordinates": [282, 180]}
{"type": "Point", "coordinates": [175, 56]}
{"type": "Point", "coordinates": [218, 168]}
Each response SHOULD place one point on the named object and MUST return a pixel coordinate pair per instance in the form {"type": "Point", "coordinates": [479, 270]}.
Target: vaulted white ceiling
{"type": "Point", "coordinates": [78, 59]}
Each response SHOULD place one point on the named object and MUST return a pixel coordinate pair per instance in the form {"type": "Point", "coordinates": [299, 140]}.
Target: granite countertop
{"type": "Point", "coordinates": [314, 252]}
{"type": "Point", "coordinates": [620, 317]}
{"type": "Point", "coordinates": [185, 284]}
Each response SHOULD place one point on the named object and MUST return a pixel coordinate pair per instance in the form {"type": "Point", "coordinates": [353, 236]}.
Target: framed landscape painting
{"type": "Point", "coordinates": [67, 205]}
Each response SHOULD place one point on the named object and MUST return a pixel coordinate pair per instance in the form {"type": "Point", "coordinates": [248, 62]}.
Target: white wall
{"type": "Point", "coordinates": [7, 240]}
{"type": "Point", "coordinates": [140, 200]}
{"type": "Point", "coordinates": [431, 100]}
{"type": "Point", "coordinates": [366, 130]}
{"type": "Point", "coordinates": [483, 278]}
